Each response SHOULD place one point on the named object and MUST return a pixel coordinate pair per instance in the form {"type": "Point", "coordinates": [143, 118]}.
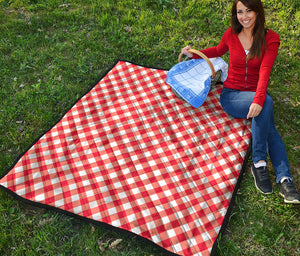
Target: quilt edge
{"type": "Point", "coordinates": [232, 202]}
{"type": "Point", "coordinates": [90, 87]}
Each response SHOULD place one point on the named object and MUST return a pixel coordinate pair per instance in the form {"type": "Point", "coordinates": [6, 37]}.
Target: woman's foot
{"type": "Point", "coordinates": [289, 192]}
{"type": "Point", "coordinates": [261, 179]}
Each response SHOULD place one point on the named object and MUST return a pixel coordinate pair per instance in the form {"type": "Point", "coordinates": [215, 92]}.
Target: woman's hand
{"type": "Point", "coordinates": [185, 51]}
{"type": "Point", "coordinates": [254, 110]}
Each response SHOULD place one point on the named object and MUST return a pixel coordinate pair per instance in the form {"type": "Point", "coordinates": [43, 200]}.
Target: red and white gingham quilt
{"type": "Point", "coordinates": [131, 154]}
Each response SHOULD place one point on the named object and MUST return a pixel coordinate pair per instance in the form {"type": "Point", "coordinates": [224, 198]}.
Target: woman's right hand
{"type": "Point", "coordinates": [185, 51]}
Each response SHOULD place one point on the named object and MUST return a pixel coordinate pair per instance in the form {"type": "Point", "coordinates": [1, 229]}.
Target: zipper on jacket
{"type": "Point", "coordinates": [246, 72]}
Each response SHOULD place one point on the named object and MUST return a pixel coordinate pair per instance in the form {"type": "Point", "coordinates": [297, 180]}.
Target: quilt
{"type": "Point", "coordinates": [131, 154]}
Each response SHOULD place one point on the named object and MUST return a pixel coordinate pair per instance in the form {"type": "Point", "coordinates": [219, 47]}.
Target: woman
{"type": "Point", "coordinates": [253, 50]}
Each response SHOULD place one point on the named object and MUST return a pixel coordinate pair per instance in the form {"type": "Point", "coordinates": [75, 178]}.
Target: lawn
{"type": "Point", "coordinates": [53, 51]}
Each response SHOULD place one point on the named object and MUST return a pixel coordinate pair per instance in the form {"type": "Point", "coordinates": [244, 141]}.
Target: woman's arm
{"type": "Point", "coordinates": [270, 55]}
{"type": "Point", "coordinates": [265, 71]}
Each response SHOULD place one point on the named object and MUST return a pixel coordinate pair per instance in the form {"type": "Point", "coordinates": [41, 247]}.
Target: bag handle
{"type": "Point", "coordinates": [204, 57]}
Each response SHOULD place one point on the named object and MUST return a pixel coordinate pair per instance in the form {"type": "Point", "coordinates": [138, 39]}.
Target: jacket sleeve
{"type": "Point", "coordinates": [265, 68]}
{"type": "Point", "coordinates": [216, 51]}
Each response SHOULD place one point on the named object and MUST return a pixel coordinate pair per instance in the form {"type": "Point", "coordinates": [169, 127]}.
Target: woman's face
{"type": "Point", "coordinates": [245, 16]}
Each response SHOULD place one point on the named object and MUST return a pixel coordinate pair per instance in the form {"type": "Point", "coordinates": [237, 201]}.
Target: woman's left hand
{"type": "Point", "coordinates": [185, 51]}
{"type": "Point", "coordinates": [254, 110]}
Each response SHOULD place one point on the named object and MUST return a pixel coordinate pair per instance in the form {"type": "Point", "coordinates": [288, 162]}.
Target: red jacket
{"type": "Point", "coordinates": [246, 75]}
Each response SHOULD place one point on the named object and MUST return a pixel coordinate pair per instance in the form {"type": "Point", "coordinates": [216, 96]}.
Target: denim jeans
{"type": "Point", "coordinates": [265, 138]}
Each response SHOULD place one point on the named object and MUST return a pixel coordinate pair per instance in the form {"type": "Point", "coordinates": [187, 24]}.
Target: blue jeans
{"type": "Point", "coordinates": [265, 138]}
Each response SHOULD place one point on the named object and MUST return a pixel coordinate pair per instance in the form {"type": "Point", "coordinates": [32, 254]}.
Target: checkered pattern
{"type": "Point", "coordinates": [133, 155]}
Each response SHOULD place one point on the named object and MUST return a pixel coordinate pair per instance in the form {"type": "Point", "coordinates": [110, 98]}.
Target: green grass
{"type": "Point", "coordinates": [53, 51]}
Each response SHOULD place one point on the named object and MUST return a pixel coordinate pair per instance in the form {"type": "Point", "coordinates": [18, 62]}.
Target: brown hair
{"type": "Point", "coordinates": [259, 27]}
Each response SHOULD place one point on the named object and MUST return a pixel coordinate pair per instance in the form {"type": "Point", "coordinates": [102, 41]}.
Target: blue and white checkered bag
{"type": "Point", "coordinates": [191, 79]}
